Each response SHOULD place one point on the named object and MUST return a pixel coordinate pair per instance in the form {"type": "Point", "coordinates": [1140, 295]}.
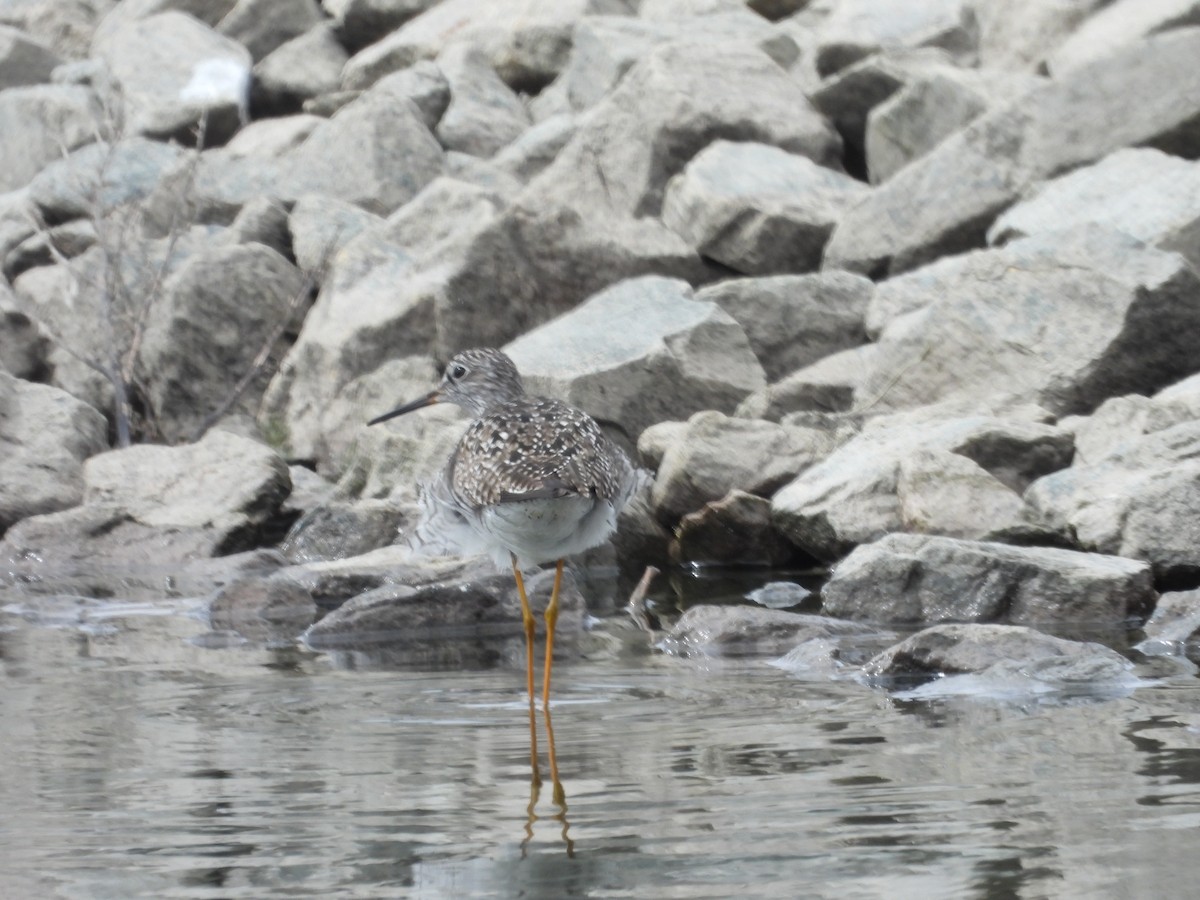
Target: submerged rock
{"type": "Point", "coordinates": [749, 631]}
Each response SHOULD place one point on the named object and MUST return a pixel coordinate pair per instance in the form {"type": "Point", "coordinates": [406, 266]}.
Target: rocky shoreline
{"type": "Point", "coordinates": [912, 297]}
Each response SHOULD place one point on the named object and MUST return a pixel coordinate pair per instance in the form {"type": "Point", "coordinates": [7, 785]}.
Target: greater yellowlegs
{"type": "Point", "coordinates": [533, 480]}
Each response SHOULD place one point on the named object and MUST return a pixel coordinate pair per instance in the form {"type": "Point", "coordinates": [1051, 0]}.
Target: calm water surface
{"type": "Point", "coordinates": [142, 759]}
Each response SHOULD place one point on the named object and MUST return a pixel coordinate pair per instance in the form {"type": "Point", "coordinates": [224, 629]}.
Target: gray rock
{"type": "Point", "coordinates": [40, 124]}
{"type": "Point", "coordinates": [757, 209]}
{"type": "Point", "coordinates": [262, 221]}
{"type": "Point", "coordinates": [1137, 501]}
{"type": "Point", "coordinates": [216, 314]}
{"type": "Point", "coordinates": [968, 648]}
{"type": "Point", "coordinates": [735, 531]}
{"type": "Point", "coordinates": [924, 579]}
{"type": "Point", "coordinates": [363, 22]}
{"type": "Point", "coordinates": [212, 190]}
{"type": "Point", "coordinates": [45, 436]}
{"type": "Point", "coordinates": [321, 226]}
{"type": "Point", "coordinates": [531, 152]}
{"type": "Point", "coordinates": [793, 321]}
{"type": "Point", "coordinates": [780, 595]}
{"type": "Point", "coordinates": [527, 45]}
{"type": "Point", "coordinates": [685, 355]}
{"type": "Point", "coordinates": [262, 26]}
{"type": "Point", "coordinates": [424, 84]}
{"type": "Point", "coordinates": [65, 28]}
{"type": "Point", "coordinates": [1100, 316]}
{"type": "Point", "coordinates": [22, 347]}
{"type": "Point", "coordinates": [929, 108]}
{"type": "Point", "coordinates": [273, 611]}
{"type": "Point", "coordinates": [24, 60]}
{"type": "Point", "coordinates": [970, 178]}
{"type": "Point", "coordinates": [173, 72]}
{"type": "Point", "coordinates": [96, 179]}
{"type": "Point", "coordinates": [826, 386]}
{"type": "Point", "coordinates": [1145, 193]}
{"type": "Point", "coordinates": [854, 495]}
{"type": "Point", "coordinates": [1124, 420]}
{"type": "Point", "coordinates": [856, 29]}
{"type": "Point", "coordinates": [304, 67]}
{"type": "Point", "coordinates": [1018, 35]}
{"type": "Point", "coordinates": [749, 631]}
{"type": "Point", "coordinates": [272, 138]}
{"type": "Point", "coordinates": [339, 530]}
{"type": "Point", "coordinates": [715, 454]}
{"type": "Point", "coordinates": [484, 114]}
{"type": "Point", "coordinates": [1175, 622]}
{"type": "Point", "coordinates": [48, 246]}
{"type": "Point", "coordinates": [1117, 25]}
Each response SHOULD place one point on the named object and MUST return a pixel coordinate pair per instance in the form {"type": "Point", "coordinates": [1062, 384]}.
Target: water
{"type": "Point", "coordinates": [141, 759]}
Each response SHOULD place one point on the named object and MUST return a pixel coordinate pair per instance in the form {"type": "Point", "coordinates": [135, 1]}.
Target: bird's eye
{"type": "Point", "coordinates": [457, 371]}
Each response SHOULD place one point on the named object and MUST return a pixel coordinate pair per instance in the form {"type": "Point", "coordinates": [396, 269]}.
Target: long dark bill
{"type": "Point", "coordinates": [428, 400]}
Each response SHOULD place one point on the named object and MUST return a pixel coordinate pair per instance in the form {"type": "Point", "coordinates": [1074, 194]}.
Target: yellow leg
{"type": "Point", "coordinates": [527, 619]}
{"type": "Point", "coordinates": [551, 621]}
{"type": "Point", "coordinates": [560, 794]}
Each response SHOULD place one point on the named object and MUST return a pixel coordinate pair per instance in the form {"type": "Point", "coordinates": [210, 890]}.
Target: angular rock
{"type": "Point", "coordinates": [339, 530]}
{"type": "Point", "coordinates": [856, 29]}
{"type": "Point", "coordinates": [757, 209]}
{"type": "Point", "coordinates": [47, 247]}
{"type": "Point", "coordinates": [24, 60]}
{"type": "Point", "coordinates": [1117, 25]}
{"type": "Point", "coordinates": [271, 138]}
{"type": "Point", "coordinates": [735, 530]}
{"type": "Point", "coordinates": [1175, 622]}
{"type": "Point", "coordinates": [527, 45]}
{"type": "Point", "coordinates": [484, 114]}
{"type": "Point", "coordinates": [1138, 501]}
{"type": "Point", "coordinates": [749, 631]}
{"type": "Point", "coordinates": [1145, 193]}
{"type": "Point", "coordinates": [526, 157]}
{"type": "Point", "coordinates": [715, 454]}
{"type": "Point", "coordinates": [826, 386]}
{"type": "Point", "coordinates": [930, 485]}
{"type": "Point", "coordinates": [65, 28]}
{"type": "Point", "coordinates": [262, 26]}
{"type": "Point", "coordinates": [216, 314]}
{"type": "Point", "coordinates": [1099, 315]}
{"type": "Point", "coordinates": [852, 497]}
{"type": "Point", "coordinates": [321, 226]}
{"type": "Point", "coordinates": [262, 221]}
{"type": "Point", "coordinates": [174, 71]}
{"type": "Point", "coordinates": [45, 436]}
{"type": "Point", "coordinates": [307, 66]}
{"type": "Point", "coordinates": [22, 347]}
{"type": "Point", "coordinates": [685, 355]}
{"type": "Point", "coordinates": [944, 202]}
{"type": "Point", "coordinates": [38, 125]}
{"type": "Point", "coordinates": [967, 648]}
{"type": "Point", "coordinates": [1124, 420]}
{"type": "Point", "coordinates": [793, 321]}
{"type": "Point", "coordinates": [1019, 34]}
{"type": "Point", "coordinates": [273, 611]}
{"type": "Point", "coordinates": [925, 579]}
{"type": "Point", "coordinates": [363, 22]}
{"type": "Point", "coordinates": [424, 84]}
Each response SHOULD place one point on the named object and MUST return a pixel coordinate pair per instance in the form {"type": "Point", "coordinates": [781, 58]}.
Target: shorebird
{"type": "Point", "coordinates": [533, 480]}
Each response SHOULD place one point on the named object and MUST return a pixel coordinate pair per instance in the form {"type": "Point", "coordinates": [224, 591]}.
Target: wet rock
{"type": "Point", "coordinates": [793, 321]}
{"type": "Point", "coordinates": [969, 648]}
{"type": "Point", "coordinates": [175, 71]}
{"type": "Point", "coordinates": [827, 386]}
{"type": "Point", "coordinates": [780, 595]}
{"type": "Point", "coordinates": [340, 530]}
{"type": "Point", "coordinates": [45, 436]}
{"type": "Point", "coordinates": [854, 495]}
{"type": "Point", "coordinates": [262, 26]}
{"type": "Point", "coordinates": [715, 454]}
{"type": "Point", "coordinates": [484, 114]}
{"type": "Point", "coordinates": [216, 314]}
{"type": "Point", "coordinates": [1139, 305]}
{"type": "Point", "coordinates": [856, 30]}
{"type": "Point", "coordinates": [735, 530]}
{"type": "Point", "coordinates": [444, 599]}
{"type": "Point", "coordinates": [911, 578]}
{"type": "Point", "coordinates": [684, 355]}
{"type": "Point", "coordinates": [749, 631]}
{"type": "Point", "coordinates": [39, 123]}
{"type": "Point", "coordinates": [1137, 501]}
{"type": "Point", "coordinates": [527, 46]}
{"type": "Point", "coordinates": [1144, 193]}
{"type": "Point", "coordinates": [757, 209]}
{"type": "Point", "coordinates": [24, 60]}
{"type": "Point", "coordinates": [1174, 623]}
{"type": "Point", "coordinates": [306, 66]}
{"type": "Point", "coordinates": [639, 540]}
{"type": "Point", "coordinates": [273, 610]}
{"type": "Point", "coordinates": [1114, 27]}
{"type": "Point", "coordinates": [976, 174]}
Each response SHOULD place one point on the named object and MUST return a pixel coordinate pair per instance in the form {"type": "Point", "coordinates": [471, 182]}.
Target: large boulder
{"type": "Point", "coordinates": [685, 355]}
{"type": "Point", "coordinates": [926, 579]}
{"type": "Point", "coordinates": [38, 124]}
{"type": "Point", "coordinates": [45, 436]}
{"type": "Point", "coordinates": [176, 73]}
{"type": "Point", "coordinates": [1064, 320]}
{"type": "Point", "coordinates": [894, 477]}
{"type": "Point", "coordinates": [945, 201]}
{"type": "Point", "coordinates": [757, 209]}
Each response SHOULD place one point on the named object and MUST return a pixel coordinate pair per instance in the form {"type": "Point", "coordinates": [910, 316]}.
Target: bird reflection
{"type": "Point", "coordinates": [558, 793]}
